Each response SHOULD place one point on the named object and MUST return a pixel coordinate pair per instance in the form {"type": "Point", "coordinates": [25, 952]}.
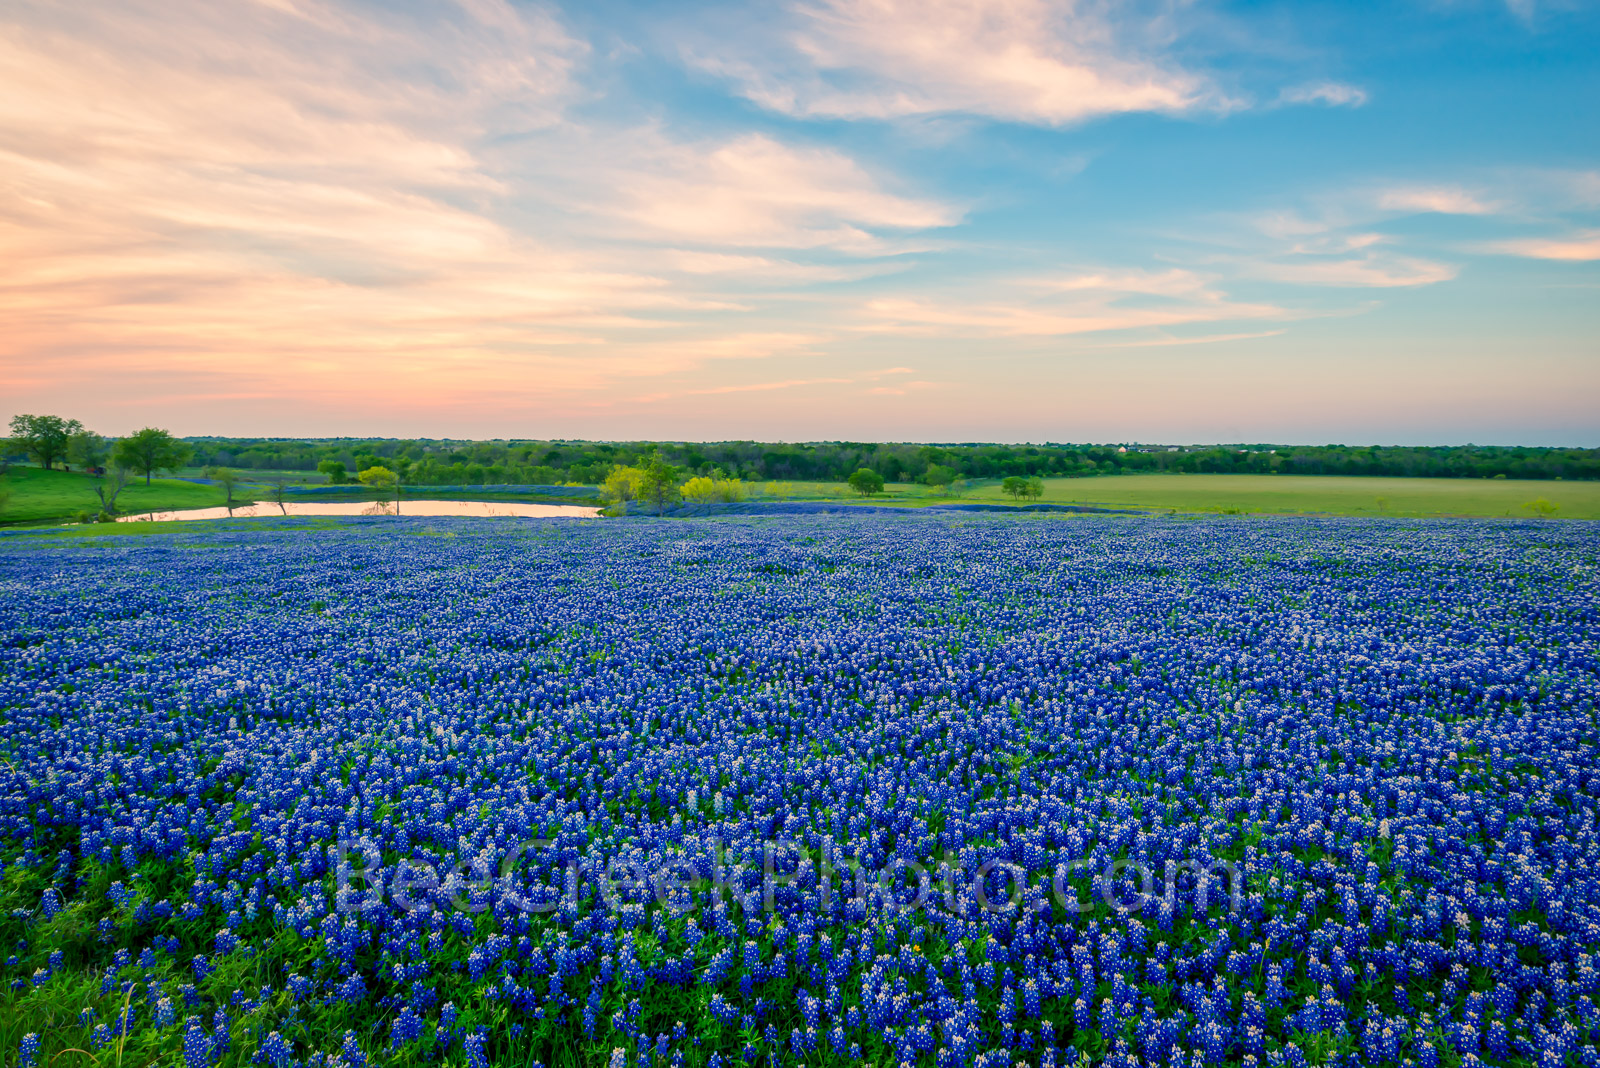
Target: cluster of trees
{"type": "Point", "coordinates": [654, 484]}
{"type": "Point", "coordinates": [1018, 487]}
{"type": "Point", "coordinates": [51, 439]}
{"type": "Point", "coordinates": [441, 462]}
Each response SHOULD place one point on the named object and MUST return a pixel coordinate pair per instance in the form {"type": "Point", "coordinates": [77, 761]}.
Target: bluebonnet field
{"type": "Point", "coordinates": [940, 791]}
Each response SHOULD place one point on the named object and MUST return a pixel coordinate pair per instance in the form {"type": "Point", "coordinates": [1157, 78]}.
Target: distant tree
{"type": "Point", "coordinates": [335, 472]}
{"type": "Point", "coordinates": [659, 486]}
{"type": "Point", "coordinates": [111, 484]}
{"type": "Point", "coordinates": [622, 485]}
{"type": "Point", "coordinates": [939, 476]}
{"type": "Point", "coordinates": [5, 495]}
{"type": "Point", "coordinates": [1035, 489]}
{"type": "Point", "coordinates": [381, 478]}
{"type": "Point", "coordinates": [377, 476]}
{"type": "Point", "coordinates": [225, 477]}
{"type": "Point", "coordinates": [280, 494]}
{"type": "Point", "coordinates": [1542, 508]}
{"type": "Point", "coordinates": [1014, 486]}
{"type": "Point", "coordinates": [707, 489]}
{"type": "Point", "coordinates": [44, 437]}
{"type": "Point", "coordinates": [149, 451]}
{"type": "Point", "coordinates": [866, 482]}
{"type": "Point", "coordinates": [88, 450]}
{"type": "Point", "coordinates": [700, 491]}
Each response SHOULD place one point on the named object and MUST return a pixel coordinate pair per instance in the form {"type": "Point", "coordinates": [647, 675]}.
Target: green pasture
{"type": "Point", "coordinates": [38, 495]}
{"type": "Point", "coordinates": [1317, 494]}
{"type": "Point", "coordinates": [893, 492]}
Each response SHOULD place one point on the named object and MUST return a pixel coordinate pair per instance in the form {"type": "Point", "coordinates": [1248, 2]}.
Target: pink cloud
{"type": "Point", "coordinates": [1581, 247]}
{"type": "Point", "coordinates": [1445, 200]}
{"type": "Point", "coordinates": [1086, 303]}
{"type": "Point", "coordinates": [302, 199]}
{"type": "Point", "coordinates": [1365, 271]}
{"type": "Point", "coordinates": [1023, 60]}
{"type": "Point", "coordinates": [756, 191]}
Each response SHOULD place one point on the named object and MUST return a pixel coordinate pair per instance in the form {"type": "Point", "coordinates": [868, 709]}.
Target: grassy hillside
{"type": "Point", "coordinates": [1324, 494]}
{"type": "Point", "coordinates": [38, 495]}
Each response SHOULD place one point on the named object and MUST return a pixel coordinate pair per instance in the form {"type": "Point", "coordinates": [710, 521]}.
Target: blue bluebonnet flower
{"type": "Point", "coordinates": [1386, 728]}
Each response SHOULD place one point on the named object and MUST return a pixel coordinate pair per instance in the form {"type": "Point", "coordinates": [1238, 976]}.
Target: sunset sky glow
{"type": "Point", "coordinates": [950, 220]}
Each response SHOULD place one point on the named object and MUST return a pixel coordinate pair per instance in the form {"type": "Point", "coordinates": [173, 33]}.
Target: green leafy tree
{"type": "Point", "coordinates": [866, 482]}
{"type": "Point", "coordinates": [621, 486]}
{"type": "Point", "coordinates": [87, 449]}
{"type": "Point", "coordinates": [381, 478]}
{"type": "Point", "coordinates": [225, 477]}
{"type": "Point", "coordinates": [114, 482]}
{"type": "Point", "coordinates": [1542, 508]}
{"type": "Point", "coordinates": [334, 471]}
{"type": "Point", "coordinates": [44, 437]}
{"type": "Point", "coordinates": [5, 495]}
{"type": "Point", "coordinates": [939, 476]}
{"type": "Point", "coordinates": [149, 451]}
{"type": "Point", "coordinates": [700, 491]}
{"type": "Point", "coordinates": [1014, 486]}
{"type": "Point", "coordinates": [1035, 489]}
{"type": "Point", "coordinates": [659, 486]}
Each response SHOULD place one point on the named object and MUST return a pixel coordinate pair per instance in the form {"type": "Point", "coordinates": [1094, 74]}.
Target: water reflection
{"type": "Point", "coordinates": [515, 509]}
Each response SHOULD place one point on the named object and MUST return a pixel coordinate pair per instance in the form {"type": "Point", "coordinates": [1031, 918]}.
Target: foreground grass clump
{"type": "Point", "coordinates": [1175, 792]}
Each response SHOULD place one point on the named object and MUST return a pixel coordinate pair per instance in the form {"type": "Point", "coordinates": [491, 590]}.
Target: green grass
{"type": "Point", "coordinates": [92, 534]}
{"type": "Point", "coordinates": [38, 495]}
{"type": "Point", "coordinates": [893, 492]}
{"type": "Point", "coordinates": [44, 496]}
{"type": "Point", "coordinates": [264, 476]}
{"type": "Point", "coordinates": [1263, 494]}
{"type": "Point", "coordinates": [1319, 494]}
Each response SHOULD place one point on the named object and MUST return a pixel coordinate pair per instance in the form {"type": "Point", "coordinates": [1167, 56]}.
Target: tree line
{"type": "Point", "coordinates": [449, 462]}
{"type": "Point", "coordinates": [52, 440]}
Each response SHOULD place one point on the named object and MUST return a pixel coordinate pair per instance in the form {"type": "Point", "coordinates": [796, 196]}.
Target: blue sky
{"type": "Point", "coordinates": [865, 219]}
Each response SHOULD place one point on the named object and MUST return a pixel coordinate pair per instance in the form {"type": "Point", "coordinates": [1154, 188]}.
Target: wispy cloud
{"type": "Point", "coordinates": [756, 191]}
{"type": "Point", "coordinates": [1332, 94]}
{"type": "Point", "coordinates": [1370, 271]}
{"type": "Point", "coordinates": [1020, 60]}
{"type": "Point", "coordinates": [750, 387]}
{"type": "Point", "coordinates": [1444, 200]}
{"type": "Point", "coordinates": [307, 196]}
{"type": "Point", "coordinates": [789, 383]}
{"type": "Point", "coordinates": [1082, 303]}
{"type": "Point", "coordinates": [1579, 247]}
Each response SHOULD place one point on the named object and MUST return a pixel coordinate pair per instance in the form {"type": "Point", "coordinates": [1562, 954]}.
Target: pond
{"type": "Point", "coordinates": [507, 509]}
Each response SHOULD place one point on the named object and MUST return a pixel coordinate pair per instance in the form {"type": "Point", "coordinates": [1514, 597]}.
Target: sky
{"type": "Point", "coordinates": [879, 220]}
